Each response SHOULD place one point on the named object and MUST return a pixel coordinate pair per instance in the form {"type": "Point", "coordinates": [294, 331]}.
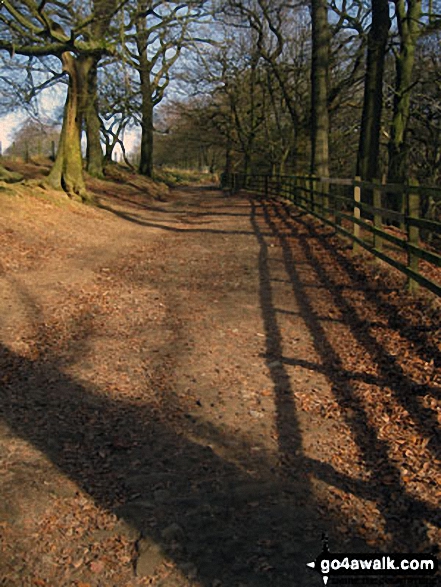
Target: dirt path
{"type": "Point", "coordinates": [194, 391]}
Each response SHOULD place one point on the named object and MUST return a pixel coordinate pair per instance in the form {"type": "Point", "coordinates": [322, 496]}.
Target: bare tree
{"type": "Point", "coordinates": [424, 133]}
{"type": "Point", "coordinates": [34, 138]}
{"type": "Point", "coordinates": [154, 39]}
{"type": "Point", "coordinates": [408, 17]}
{"type": "Point", "coordinates": [319, 88]}
{"type": "Point", "coordinates": [369, 145]}
{"type": "Point", "coordinates": [75, 33]}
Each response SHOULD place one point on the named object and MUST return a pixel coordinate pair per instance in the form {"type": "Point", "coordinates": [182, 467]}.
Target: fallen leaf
{"type": "Point", "coordinates": [97, 566]}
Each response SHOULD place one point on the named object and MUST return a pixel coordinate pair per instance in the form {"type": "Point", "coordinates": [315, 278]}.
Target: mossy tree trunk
{"type": "Point", "coordinates": [409, 29]}
{"type": "Point", "coordinates": [319, 89]}
{"type": "Point", "coordinates": [67, 171]}
{"type": "Point", "coordinates": [9, 176]}
{"type": "Point", "coordinates": [147, 129]}
{"type": "Point", "coordinates": [94, 153]}
{"type": "Point", "coordinates": [36, 29]}
{"type": "Point", "coordinates": [369, 144]}
{"type": "Point", "coordinates": [144, 71]}
{"type": "Point", "coordinates": [104, 11]}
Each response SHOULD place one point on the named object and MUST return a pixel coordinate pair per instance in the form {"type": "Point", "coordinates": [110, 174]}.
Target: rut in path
{"type": "Point", "coordinates": [220, 388]}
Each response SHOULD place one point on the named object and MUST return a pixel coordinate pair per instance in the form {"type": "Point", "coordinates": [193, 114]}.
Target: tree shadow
{"type": "Point", "coordinates": [134, 459]}
{"type": "Point", "coordinates": [415, 333]}
{"type": "Point", "coordinates": [391, 373]}
{"type": "Point", "coordinates": [405, 516]}
{"type": "Point", "coordinates": [191, 205]}
{"type": "Point", "coordinates": [237, 521]}
{"type": "Point", "coordinates": [141, 220]}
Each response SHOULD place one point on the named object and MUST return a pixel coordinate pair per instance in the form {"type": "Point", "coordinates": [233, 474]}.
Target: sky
{"type": "Point", "coordinates": [8, 124]}
{"type": "Point", "coordinates": [51, 102]}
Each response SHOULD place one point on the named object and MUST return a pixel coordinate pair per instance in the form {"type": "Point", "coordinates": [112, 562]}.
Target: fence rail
{"type": "Point", "coordinates": [357, 210]}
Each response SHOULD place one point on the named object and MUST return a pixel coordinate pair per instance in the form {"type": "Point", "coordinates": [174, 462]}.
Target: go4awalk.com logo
{"type": "Point", "coordinates": [373, 565]}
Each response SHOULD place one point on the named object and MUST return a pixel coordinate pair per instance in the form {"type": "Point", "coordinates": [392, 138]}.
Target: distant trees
{"type": "Point", "coordinates": [255, 99]}
{"type": "Point", "coordinates": [373, 122]}
{"type": "Point", "coordinates": [152, 45]}
{"type": "Point", "coordinates": [282, 51]}
{"type": "Point", "coordinates": [424, 130]}
{"type": "Point", "coordinates": [117, 106]}
{"type": "Point", "coordinates": [190, 138]}
{"type": "Point", "coordinates": [34, 139]}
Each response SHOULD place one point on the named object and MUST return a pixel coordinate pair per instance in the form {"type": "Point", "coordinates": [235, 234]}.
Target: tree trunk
{"type": "Point", "coordinates": [319, 89]}
{"type": "Point", "coordinates": [9, 176]}
{"type": "Point", "coordinates": [146, 156]}
{"type": "Point", "coordinates": [246, 163]}
{"type": "Point", "coordinates": [89, 106]}
{"type": "Point", "coordinates": [409, 28]}
{"type": "Point", "coordinates": [108, 153]}
{"type": "Point", "coordinates": [369, 144]}
{"type": "Point", "coordinates": [104, 11]}
{"type": "Point", "coordinates": [144, 69]}
{"type": "Point", "coordinates": [67, 171]}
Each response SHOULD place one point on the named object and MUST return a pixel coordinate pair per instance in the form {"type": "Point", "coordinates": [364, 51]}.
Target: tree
{"type": "Point", "coordinates": [117, 106]}
{"type": "Point", "coordinates": [23, 79]}
{"type": "Point", "coordinates": [189, 138]}
{"type": "Point", "coordinates": [75, 33]}
{"type": "Point", "coordinates": [409, 27]}
{"type": "Point", "coordinates": [424, 132]}
{"type": "Point", "coordinates": [319, 89]}
{"type": "Point", "coordinates": [154, 39]}
{"type": "Point", "coordinates": [34, 138]}
{"type": "Point", "coordinates": [98, 28]}
{"type": "Point", "coordinates": [281, 34]}
{"type": "Point", "coordinates": [369, 143]}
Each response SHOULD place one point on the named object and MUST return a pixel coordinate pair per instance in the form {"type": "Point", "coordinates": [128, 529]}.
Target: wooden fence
{"type": "Point", "coordinates": [357, 210]}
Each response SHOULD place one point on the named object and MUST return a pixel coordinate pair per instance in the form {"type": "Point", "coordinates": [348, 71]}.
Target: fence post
{"type": "Point", "coordinates": [318, 200]}
{"type": "Point", "coordinates": [356, 227]}
{"type": "Point", "coordinates": [311, 192]}
{"type": "Point", "coordinates": [403, 209]}
{"type": "Point", "coordinates": [378, 221]}
{"type": "Point", "coordinates": [324, 189]}
{"type": "Point", "coordinates": [266, 186]}
{"type": "Point", "coordinates": [294, 189]}
{"type": "Point", "coordinates": [413, 232]}
{"type": "Point", "coordinates": [339, 191]}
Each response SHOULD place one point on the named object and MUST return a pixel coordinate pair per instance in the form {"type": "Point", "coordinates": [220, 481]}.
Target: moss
{"type": "Point", "coordinates": [179, 177]}
{"type": "Point", "coordinates": [9, 176]}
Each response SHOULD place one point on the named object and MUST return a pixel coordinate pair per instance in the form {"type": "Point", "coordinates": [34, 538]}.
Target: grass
{"type": "Point", "coordinates": [37, 169]}
{"type": "Point", "coordinates": [173, 176]}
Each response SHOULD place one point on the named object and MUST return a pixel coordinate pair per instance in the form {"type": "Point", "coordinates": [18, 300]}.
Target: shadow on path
{"type": "Point", "coordinates": [405, 516]}
{"type": "Point", "coordinates": [256, 528]}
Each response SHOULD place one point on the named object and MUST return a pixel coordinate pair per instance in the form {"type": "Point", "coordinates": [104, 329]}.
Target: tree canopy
{"type": "Point", "coordinates": [275, 86]}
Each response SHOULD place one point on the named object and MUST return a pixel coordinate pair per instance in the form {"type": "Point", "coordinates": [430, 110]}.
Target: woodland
{"type": "Point", "coordinates": [337, 88]}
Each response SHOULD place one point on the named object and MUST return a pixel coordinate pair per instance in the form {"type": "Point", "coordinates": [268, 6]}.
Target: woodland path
{"type": "Point", "coordinates": [194, 390]}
